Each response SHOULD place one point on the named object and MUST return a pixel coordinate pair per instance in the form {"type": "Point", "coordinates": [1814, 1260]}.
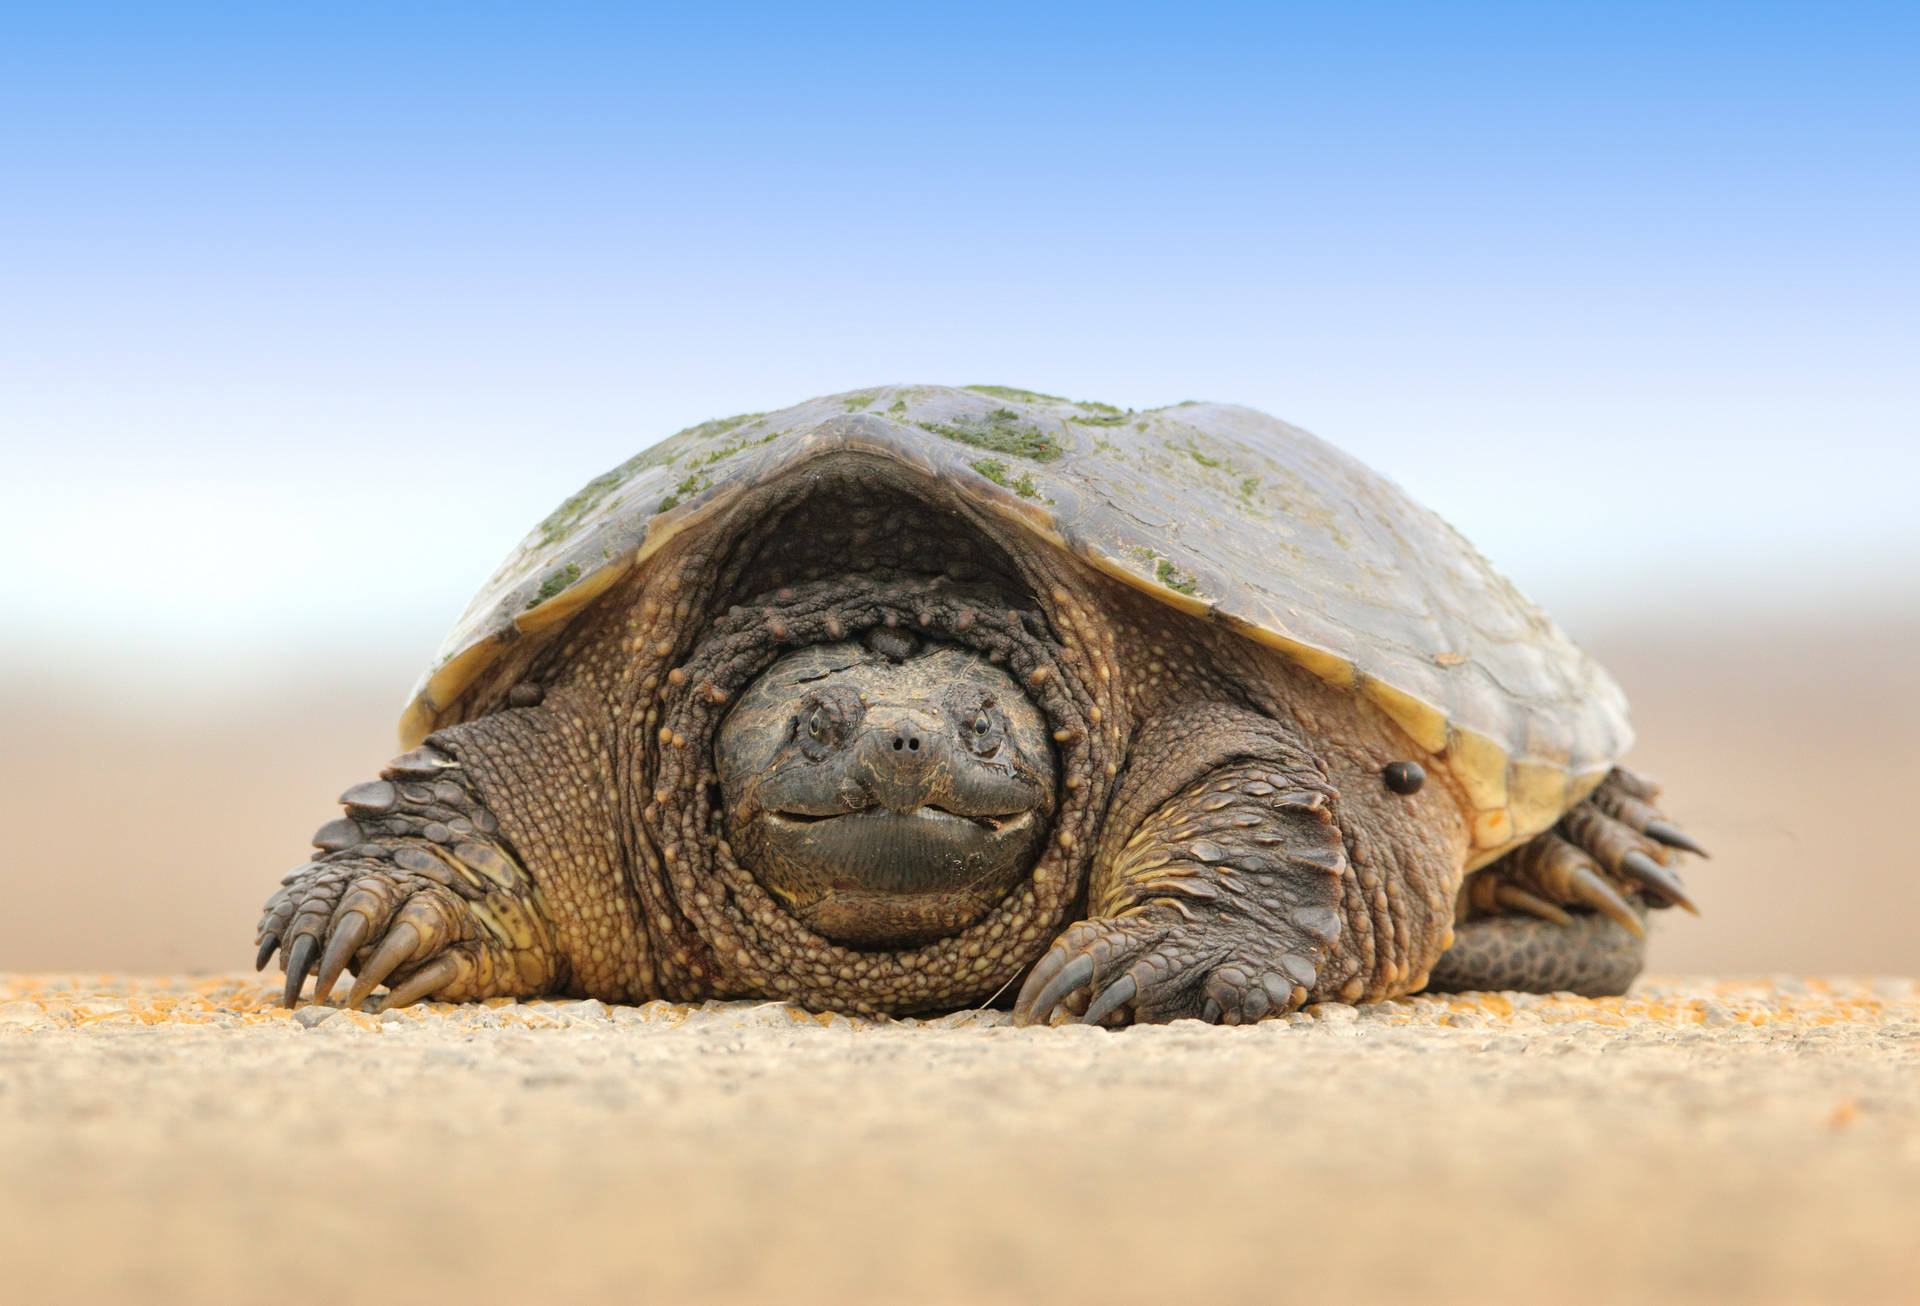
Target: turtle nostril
{"type": "Point", "coordinates": [913, 743]}
{"type": "Point", "coordinates": [906, 741]}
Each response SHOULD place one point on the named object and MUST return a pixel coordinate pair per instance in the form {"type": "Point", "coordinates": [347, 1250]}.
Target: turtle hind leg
{"type": "Point", "coordinates": [1566, 911]}
{"type": "Point", "coordinates": [1592, 955]}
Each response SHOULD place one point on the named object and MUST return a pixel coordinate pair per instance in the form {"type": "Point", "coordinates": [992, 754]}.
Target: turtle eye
{"type": "Point", "coordinates": [982, 730]}
{"type": "Point", "coordinates": [820, 722]}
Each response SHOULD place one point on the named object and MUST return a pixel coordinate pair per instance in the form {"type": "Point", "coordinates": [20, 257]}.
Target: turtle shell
{"type": "Point", "coordinates": [1214, 509]}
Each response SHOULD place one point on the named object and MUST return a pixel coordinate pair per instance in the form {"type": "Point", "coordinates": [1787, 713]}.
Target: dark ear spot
{"type": "Point", "coordinates": [1404, 777]}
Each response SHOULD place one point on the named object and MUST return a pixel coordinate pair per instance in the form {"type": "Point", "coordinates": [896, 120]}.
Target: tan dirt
{"type": "Point", "coordinates": [183, 1140]}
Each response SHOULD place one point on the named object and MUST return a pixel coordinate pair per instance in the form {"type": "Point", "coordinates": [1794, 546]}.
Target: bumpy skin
{"type": "Point", "coordinates": [417, 888]}
{"type": "Point", "coordinates": [1222, 843]}
{"type": "Point", "coordinates": [1590, 955]}
{"type": "Point", "coordinates": [1223, 899]}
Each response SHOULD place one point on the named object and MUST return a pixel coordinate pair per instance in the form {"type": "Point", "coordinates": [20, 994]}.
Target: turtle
{"type": "Point", "coordinates": [915, 698]}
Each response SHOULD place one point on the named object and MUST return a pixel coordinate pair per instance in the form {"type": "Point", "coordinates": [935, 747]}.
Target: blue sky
{"type": "Point", "coordinates": [1631, 294]}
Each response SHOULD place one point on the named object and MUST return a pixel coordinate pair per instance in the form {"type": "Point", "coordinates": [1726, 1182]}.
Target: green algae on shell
{"type": "Point", "coordinates": [1214, 509]}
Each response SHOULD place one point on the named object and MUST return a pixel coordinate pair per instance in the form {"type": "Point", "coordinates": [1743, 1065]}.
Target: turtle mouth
{"type": "Point", "coordinates": [876, 849]}
{"type": "Point", "coordinates": [877, 877]}
{"type": "Point", "coordinates": [933, 812]}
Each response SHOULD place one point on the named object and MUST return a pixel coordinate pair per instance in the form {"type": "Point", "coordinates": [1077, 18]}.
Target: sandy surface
{"type": "Point", "coordinates": [182, 1140]}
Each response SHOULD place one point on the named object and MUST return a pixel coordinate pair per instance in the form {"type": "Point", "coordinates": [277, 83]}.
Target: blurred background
{"type": "Point", "coordinates": [308, 313]}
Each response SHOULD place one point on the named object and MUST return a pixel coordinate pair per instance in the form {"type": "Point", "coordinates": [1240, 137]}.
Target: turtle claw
{"type": "Point", "coordinates": [299, 961]}
{"type": "Point", "coordinates": [1626, 835]}
{"type": "Point", "coordinates": [1656, 878]}
{"type": "Point", "coordinates": [1517, 898]}
{"type": "Point", "coordinates": [1673, 836]}
{"type": "Point", "coordinates": [1628, 799]}
{"type": "Point", "coordinates": [268, 946]}
{"type": "Point", "coordinates": [1590, 888]}
{"type": "Point", "coordinates": [1111, 999]}
{"type": "Point", "coordinates": [1155, 964]}
{"type": "Point", "coordinates": [350, 932]}
{"type": "Point", "coordinates": [395, 950]}
{"type": "Point", "coordinates": [437, 974]}
{"type": "Point", "coordinates": [1062, 979]}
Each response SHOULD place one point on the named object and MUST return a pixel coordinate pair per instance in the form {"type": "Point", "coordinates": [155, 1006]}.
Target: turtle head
{"type": "Point", "coordinates": [888, 792]}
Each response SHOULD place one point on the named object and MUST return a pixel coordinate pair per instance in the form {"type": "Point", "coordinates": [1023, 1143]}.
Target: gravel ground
{"type": "Point", "coordinates": [183, 1140]}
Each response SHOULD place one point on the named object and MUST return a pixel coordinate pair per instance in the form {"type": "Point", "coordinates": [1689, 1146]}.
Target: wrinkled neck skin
{"type": "Point", "coordinates": [688, 900]}
{"type": "Point", "coordinates": [710, 724]}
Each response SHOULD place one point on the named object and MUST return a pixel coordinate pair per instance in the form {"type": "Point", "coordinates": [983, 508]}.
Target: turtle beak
{"type": "Point", "coordinates": [902, 759]}
{"type": "Point", "coordinates": [910, 757]}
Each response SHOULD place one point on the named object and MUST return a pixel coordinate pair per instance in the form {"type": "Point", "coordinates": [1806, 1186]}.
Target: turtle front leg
{"type": "Point", "coordinates": [416, 888]}
{"type": "Point", "coordinates": [1217, 891]}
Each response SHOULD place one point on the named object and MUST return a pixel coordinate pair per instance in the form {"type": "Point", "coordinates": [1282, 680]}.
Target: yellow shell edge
{"type": "Point", "coordinates": [570, 600]}
{"type": "Point", "coordinates": [1424, 723]}
{"type": "Point", "coordinates": [442, 687]}
{"type": "Point", "coordinates": [1480, 765]}
{"type": "Point", "coordinates": [1537, 795]}
{"type": "Point", "coordinates": [1120, 571]}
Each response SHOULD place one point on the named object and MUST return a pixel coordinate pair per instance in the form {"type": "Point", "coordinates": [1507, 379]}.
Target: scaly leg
{"type": "Point", "coordinates": [1591, 955]}
{"type": "Point", "coordinates": [415, 888]}
{"type": "Point", "coordinates": [1220, 895]}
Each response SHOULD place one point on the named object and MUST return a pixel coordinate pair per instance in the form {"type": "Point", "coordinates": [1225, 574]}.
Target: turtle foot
{"type": "Point", "coordinates": [1222, 903]}
{"type": "Point", "coordinates": [1612, 854]}
{"type": "Point", "coordinates": [412, 890]}
{"type": "Point", "coordinates": [419, 938]}
{"type": "Point", "coordinates": [1158, 964]}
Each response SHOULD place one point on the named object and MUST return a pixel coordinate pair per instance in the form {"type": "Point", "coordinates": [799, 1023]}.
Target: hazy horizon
{"type": "Point", "coordinates": [305, 316]}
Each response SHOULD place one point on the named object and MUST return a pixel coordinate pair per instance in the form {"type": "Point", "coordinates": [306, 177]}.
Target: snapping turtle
{"type": "Point", "coordinates": [888, 700]}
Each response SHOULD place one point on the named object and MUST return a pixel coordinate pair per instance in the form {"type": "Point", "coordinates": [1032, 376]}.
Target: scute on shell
{"type": "Point", "coordinates": [1215, 509]}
